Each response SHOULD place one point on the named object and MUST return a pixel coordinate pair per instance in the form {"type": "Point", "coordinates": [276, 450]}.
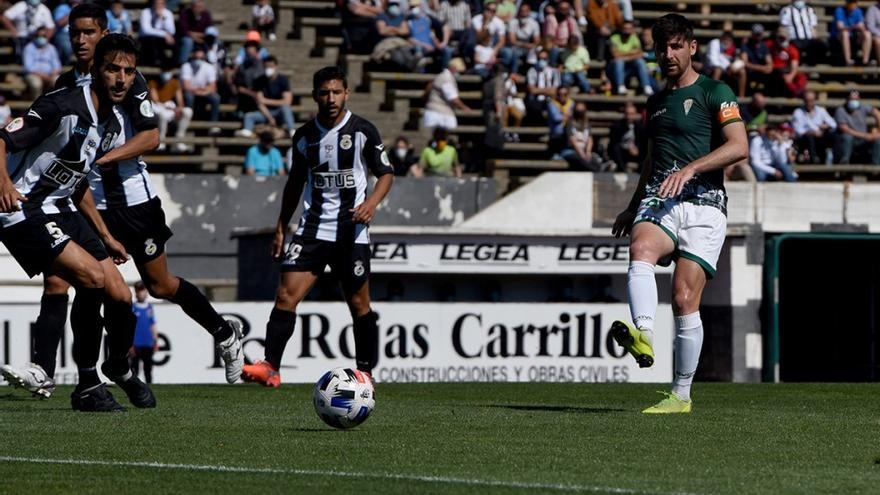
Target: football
{"type": "Point", "coordinates": [344, 398]}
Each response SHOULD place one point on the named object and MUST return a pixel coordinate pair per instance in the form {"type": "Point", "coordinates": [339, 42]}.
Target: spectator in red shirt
{"type": "Point", "coordinates": [786, 79]}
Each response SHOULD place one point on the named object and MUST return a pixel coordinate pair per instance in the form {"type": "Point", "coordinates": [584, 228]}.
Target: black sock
{"type": "Point", "coordinates": [48, 330]}
{"type": "Point", "coordinates": [88, 378]}
{"type": "Point", "coordinates": [278, 332]}
{"type": "Point", "coordinates": [85, 320]}
{"type": "Point", "coordinates": [197, 307]}
{"type": "Point", "coordinates": [120, 323]}
{"type": "Point", "coordinates": [366, 341]}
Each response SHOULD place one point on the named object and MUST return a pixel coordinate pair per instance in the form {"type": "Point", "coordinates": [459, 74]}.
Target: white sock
{"type": "Point", "coordinates": [642, 289]}
{"type": "Point", "coordinates": [688, 342]}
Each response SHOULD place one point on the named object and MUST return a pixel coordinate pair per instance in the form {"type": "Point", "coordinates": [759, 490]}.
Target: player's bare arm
{"type": "Point", "coordinates": [290, 199]}
{"type": "Point", "coordinates": [142, 142]}
{"type": "Point", "coordinates": [624, 222]}
{"type": "Point", "coordinates": [365, 212]}
{"type": "Point", "coordinates": [9, 195]}
{"type": "Point", "coordinates": [734, 149]}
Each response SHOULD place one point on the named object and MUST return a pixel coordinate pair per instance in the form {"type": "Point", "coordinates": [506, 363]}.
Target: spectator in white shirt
{"type": "Point", "coordinates": [523, 36]}
{"type": "Point", "coordinates": [199, 80]}
{"type": "Point", "coordinates": [767, 158]}
{"type": "Point", "coordinates": [487, 21]}
{"type": "Point", "coordinates": [801, 21]}
{"type": "Point", "coordinates": [263, 19]}
{"type": "Point", "coordinates": [24, 18]}
{"type": "Point", "coordinates": [41, 64]}
{"type": "Point", "coordinates": [443, 98]}
{"type": "Point", "coordinates": [542, 82]}
{"type": "Point", "coordinates": [156, 34]}
{"type": "Point", "coordinates": [813, 128]}
{"type": "Point", "coordinates": [722, 60]}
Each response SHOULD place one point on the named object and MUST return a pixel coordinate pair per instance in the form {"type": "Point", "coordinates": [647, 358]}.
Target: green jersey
{"type": "Point", "coordinates": [685, 124]}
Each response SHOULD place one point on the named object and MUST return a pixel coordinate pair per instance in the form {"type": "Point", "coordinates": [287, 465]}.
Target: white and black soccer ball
{"type": "Point", "coordinates": [344, 398]}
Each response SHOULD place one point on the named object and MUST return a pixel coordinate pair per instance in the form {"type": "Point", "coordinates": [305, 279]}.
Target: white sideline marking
{"type": "Point", "coordinates": [347, 474]}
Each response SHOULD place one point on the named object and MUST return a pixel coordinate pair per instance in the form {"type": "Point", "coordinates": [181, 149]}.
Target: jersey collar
{"type": "Point", "coordinates": [338, 126]}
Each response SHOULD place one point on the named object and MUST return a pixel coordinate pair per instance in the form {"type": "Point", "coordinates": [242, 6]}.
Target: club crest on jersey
{"type": "Point", "coordinates": [345, 142]}
{"type": "Point", "coordinates": [383, 157]}
{"type": "Point", "coordinates": [359, 268]}
{"type": "Point", "coordinates": [150, 247]}
{"type": "Point", "coordinates": [687, 105]}
{"type": "Point", "coordinates": [147, 109]}
{"type": "Point", "coordinates": [108, 141]}
{"type": "Point", "coordinates": [16, 124]}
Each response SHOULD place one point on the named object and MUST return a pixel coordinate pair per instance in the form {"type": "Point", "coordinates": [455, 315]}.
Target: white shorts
{"type": "Point", "coordinates": [432, 119]}
{"type": "Point", "coordinates": [697, 230]}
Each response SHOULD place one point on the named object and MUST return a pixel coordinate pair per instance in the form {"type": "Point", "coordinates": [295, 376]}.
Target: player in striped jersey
{"type": "Point", "coordinates": [52, 149]}
{"type": "Point", "coordinates": [332, 157]}
{"type": "Point", "coordinates": [88, 24]}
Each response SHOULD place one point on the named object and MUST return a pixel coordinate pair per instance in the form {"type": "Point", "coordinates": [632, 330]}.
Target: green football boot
{"type": "Point", "coordinates": [672, 404]}
{"type": "Point", "coordinates": [634, 341]}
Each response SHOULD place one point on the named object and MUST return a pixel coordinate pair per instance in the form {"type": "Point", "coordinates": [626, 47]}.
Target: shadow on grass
{"type": "Point", "coordinates": [321, 430]}
{"type": "Point", "coordinates": [563, 409]}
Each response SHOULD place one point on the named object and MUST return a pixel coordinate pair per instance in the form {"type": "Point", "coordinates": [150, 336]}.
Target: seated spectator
{"type": "Point", "coordinates": [118, 19]}
{"type": "Point", "coordinates": [513, 108]}
{"type": "Point", "coordinates": [801, 21]}
{"type": "Point", "coordinates": [169, 107]}
{"type": "Point", "coordinates": [626, 52]}
{"type": "Point", "coordinates": [5, 112]}
{"type": "Point", "coordinates": [542, 82]}
{"type": "Point", "coordinates": [245, 76]}
{"type": "Point", "coordinates": [263, 19]}
{"type": "Point", "coordinates": [559, 28]}
{"type": "Point", "coordinates": [456, 15]}
{"type": "Point", "coordinates": [814, 130]}
{"type": "Point", "coordinates": [756, 55]}
{"type": "Point", "coordinates": [767, 161]}
{"type": "Point", "coordinates": [156, 34]}
{"type": "Point", "coordinates": [604, 20]}
{"type": "Point", "coordinates": [523, 36]}
{"type": "Point", "coordinates": [359, 25]}
{"type": "Point", "coordinates": [23, 19]}
{"type": "Point", "coordinates": [853, 134]}
{"type": "Point", "coordinates": [848, 28]}
{"type": "Point", "coordinates": [559, 109]}
{"type": "Point", "coordinates": [650, 57]}
{"type": "Point", "coordinates": [872, 24]}
{"type": "Point", "coordinates": [489, 22]}
{"type": "Point", "coordinates": [723, 63]}
{"type": "Point", "coordinates": [506, 10]}
{"type": "Point", "coordinates": [576, 62]}
{"type": "Point", "coordinates": [403, 158]}
{"type": "Point", "coordinates": [199, 80]}
{"type": "Point", "coordinates": [61, 39]}
{"type": "Point", "coordinates": [273, 96]}
{"type": "Point", "coordinates": [252, 48]}
{"type": "Point", "coordinates": [443, 98]}
{"type": "Point", "coordinates": [439, 158]}
{"type": "Point", "coordinates": [578, 151]}
{"type": "Point", "coordinates": [755, 113]}
{"type": "Point", "coordinates": [392, 23]}
{"type": "Point", "coordinates": [264, 159]}
{"type": "Point", "coordinates": [41, 64]}
{"type": "Point", "coordinates": [484, 56]}
{"type": "Point", "coordinates": [194, 21]}
{"type": "Point", "coordinates": [787, 79]}
{"type": "Point", "coordinates": [421, 35]}
{"type": "Point", "coordinates": [627, 139]}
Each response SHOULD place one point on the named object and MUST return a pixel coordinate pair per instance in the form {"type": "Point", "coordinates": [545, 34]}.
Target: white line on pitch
{"type": "Point", "coordinates": [346, 474]}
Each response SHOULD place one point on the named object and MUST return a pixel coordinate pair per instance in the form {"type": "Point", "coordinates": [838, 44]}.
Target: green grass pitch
{"type": "Point", "coordinates": [451, 438]}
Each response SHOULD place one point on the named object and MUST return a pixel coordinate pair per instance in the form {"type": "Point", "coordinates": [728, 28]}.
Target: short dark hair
{"type": "Point", "coordinates": [330, 73]}
{"type": "Point", "coordinates": [271, 58]}
{"type": "Point", "coordinates": [139, 285]}
{"type": "Point", "coordinates": [89, 10]}
{"type": "Point", "coordinates": [114, 42]}
{"type": "Point", "coordinates": [267, 137]}
{"type": "Point", "coordinates": [672, 26]}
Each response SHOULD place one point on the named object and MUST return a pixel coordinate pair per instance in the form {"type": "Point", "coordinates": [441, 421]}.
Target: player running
{"type": "Point", "coordinates": [679, 208]}
{"type": "Point", "coordinates": [332, 156]}
{"type": "Point", "coordinates": [130, 212]}
{"type": "Point", "coordinates": [51, 150]}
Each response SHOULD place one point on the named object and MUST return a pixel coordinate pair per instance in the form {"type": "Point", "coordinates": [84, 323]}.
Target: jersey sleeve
{"type": "Point", "coordinates": [375, 156]}
{"type": "Point", "coordinates": [139, 106]}
{"type": "Point", "coordinates": [39, 122]}
{"type": "Point", "coordinates": [722, 102]}
{"type": "Point", "coordinates": [298, 160]}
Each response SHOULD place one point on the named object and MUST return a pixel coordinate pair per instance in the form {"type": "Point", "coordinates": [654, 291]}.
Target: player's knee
{"type": "Point", "coordinates": [285, 299]}
{"type": "Point", "coordinates": [685, 300]}
{"type": "Point", "coordinates": [92, 277]}
{"type": "Point", "coordinates": [359, 304]}
{"type": "Point", "coordinates": [641, 250]}
{"type": "Point", "coordinates": [55, 286]}
{"type": "Point", "coordinates": [161, 289]}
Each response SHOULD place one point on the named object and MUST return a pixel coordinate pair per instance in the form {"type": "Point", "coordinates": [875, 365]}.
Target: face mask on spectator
{"type": "Point", "coordinates": [40, 41]}
{"type": "Point", "coordinates": [415, 11]}
{"type": "Point", "coordinates": [33, 3]}
{"type": "Point", "coordinates": [440, 145]}
{"type": "Point", "coordinates": [800, 4]}
{"type": "Point", "coordinates": [166, 76]}
{"type": "Point", "coordinates": [394, 10]}
{"type": "Point", "coordinates": [783, 42]}
{"type": "Point", "coordinates": [853, 104]}
{"type": "Point", "coordinates": [270, 71]}
{"type": "Point", "coordinates": [541, 65]}
{"type": "Point", "coordinates": [196, 63]}
{"type": "Point", "coordinates": [400, 152]}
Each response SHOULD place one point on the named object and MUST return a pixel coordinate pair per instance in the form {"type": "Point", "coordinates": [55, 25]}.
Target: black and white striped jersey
{"type": "Point", "coordinates": [51, 150]}
{"type": "Point", "coordinates": [124, 183]}
{"type": "Point", "coordinates": [337, 162]}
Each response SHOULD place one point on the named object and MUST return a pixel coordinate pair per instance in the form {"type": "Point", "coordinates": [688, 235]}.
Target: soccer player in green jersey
{"type": "Point", "coordinates": [679, 208]}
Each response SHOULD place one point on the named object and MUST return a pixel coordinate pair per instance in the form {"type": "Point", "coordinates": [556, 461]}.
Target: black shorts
{"type": "Point", "coordinates": [350, 263]}
{"type": "Point", "coordinates": [38, 240]}
{"type": "Point", "coordinates": [140, 228]}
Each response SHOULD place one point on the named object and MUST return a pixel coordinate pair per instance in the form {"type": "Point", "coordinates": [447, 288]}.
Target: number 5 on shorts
{"type": "Point", "coordinates": [54, 230]}
{"type": "Point", "coordinates": [293, 252]}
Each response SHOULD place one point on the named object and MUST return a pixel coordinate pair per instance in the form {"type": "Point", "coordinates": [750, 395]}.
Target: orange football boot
{"type": "Point", "coordinates": [261, 372]}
